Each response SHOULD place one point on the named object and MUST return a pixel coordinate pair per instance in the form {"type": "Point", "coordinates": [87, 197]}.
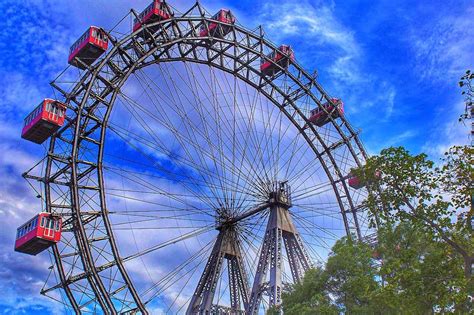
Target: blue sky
{"type": "Point", "coordinates": [395, 64]}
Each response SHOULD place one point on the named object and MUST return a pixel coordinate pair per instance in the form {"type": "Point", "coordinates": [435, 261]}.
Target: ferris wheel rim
{"type": "Point", "coordinates": [93, 76]}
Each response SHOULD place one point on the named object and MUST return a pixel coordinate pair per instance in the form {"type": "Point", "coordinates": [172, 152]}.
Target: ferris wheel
{"type": "Point", "coordinates": [193, 167]}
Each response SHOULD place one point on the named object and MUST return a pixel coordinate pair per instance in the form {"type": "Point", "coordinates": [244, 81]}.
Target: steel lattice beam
{"type": "Point", "coordinates": [280, 230]}
{"type": "Point", "coordinates": [227, 247]}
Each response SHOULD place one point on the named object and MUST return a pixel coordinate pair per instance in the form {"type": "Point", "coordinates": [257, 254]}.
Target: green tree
{"type": "Point", "coordinates": [408, 272]}
{"type": "Point", "coordinates": [346, 284]}
{"type": "Point", "coordinates": [351, 276]}
{"type": "Point", "coordinates": [436, 199]}
{"type": "Point", "coordinates": [274, 310]}
{"type": "Point", "coordinates": [420, 275]}
{"type": "Point", "coordinates": [310, 296]}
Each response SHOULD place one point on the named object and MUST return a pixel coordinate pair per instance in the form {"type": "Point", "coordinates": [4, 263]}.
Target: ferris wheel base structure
{"type": "Point", "coordinates": [280, 231]}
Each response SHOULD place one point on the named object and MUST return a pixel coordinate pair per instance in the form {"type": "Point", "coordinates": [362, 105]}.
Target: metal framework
{"type": "Point", "coordinates": [280, 228]}
{"type": "Point", "coordinates": [91, 271]}
{"type": "Point", "coordinates": [227, 247]}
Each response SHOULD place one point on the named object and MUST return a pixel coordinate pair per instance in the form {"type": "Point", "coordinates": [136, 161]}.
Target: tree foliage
{"type": "Point", "coordinates": [351, 276]}
{"type": "Point", "coordinates": [419, 274]}
{"type": "Point", "coordinates": [406, 273]}
{"type": "Point", "coordinates": [436, 199]}
{"type": "Point", "coordinates": [466, 83]}
{"type": "Point", "coordinates": [422, 263]}
{"type": "Point", "coordinates": [310, 297]}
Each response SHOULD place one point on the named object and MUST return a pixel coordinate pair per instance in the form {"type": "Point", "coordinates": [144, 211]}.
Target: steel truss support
{"type": "Point", "coordinates": [280, 229]}
{"type": "Point", "coordinates": [227, 246]}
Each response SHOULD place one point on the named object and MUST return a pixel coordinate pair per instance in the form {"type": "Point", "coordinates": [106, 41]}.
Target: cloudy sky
{"type": "Point", "coordinates": [395, 64]}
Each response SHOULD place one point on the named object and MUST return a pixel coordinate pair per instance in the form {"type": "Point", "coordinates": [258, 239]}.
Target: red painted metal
{"type": "Point", "coordinates": [89, 47]}
{"type": "Point", "coordinates": [319, 117]}
{"type": "Point", "coordinates": [43, 121]}
{"type": "Point", "coordinates": [356, 183]}
{"type": "Point", "coordinates": [38, 234]}
{"type": "Point", "coordinates": [212, 29]}
{"type": "Point", "coordinates": [277, 58]}
{"type": "Point", "coordinates": [153, 13]}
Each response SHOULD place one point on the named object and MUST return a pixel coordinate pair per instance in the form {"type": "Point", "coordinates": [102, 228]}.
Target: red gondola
{"type": "Point", "coordinates": [156, 11]}
{"type": "Point", "coordinates": [376, 254]}
{"type": "Point", "coordinates": [92, 44]}
{"type": "Point", "coordinates": [43, 121]}
{"type": "Point", "coordinates": [281, 58]}
{"type": "Point", "coordinates": [356, 183]}
{"type": "Point", "coordinates": [38, 234]}
{"type": "Point", "coordinates": [319, 117]}
{"type": "Point", "coordinates": [213, 29]}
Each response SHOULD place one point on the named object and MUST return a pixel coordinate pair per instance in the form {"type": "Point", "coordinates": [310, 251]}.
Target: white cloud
{"type": "Point", "coordinates": [448, 133]}
{"type": "Point", "coordinates": [400, 138]}
{"type": "Point", "coordinates": [320, 28]}
{"type": "Point", "coordinates": [443, 48]}
{"type": "Point", "coordinates": [334, 49]}
{"type": "Point", "coordinates": [389, 101]}
{"type": "Point", "coordinates": [384, 99]}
